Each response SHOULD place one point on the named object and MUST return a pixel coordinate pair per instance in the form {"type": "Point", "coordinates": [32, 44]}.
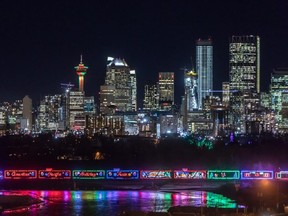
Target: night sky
{"type": "Point", "coordinates": [41, 41]}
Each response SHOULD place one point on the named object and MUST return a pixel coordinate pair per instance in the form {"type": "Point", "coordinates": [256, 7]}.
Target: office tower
{"type": "Point", "coordinates": [48, 113]}
{"type": "Point", "coordinates": [166, 90]}
{"type": "Point", "coordinates": [64, 122]}
{"type": "Point", "coordinates": [269, 122]}
{"type": "Point", "coordinates": [76, 110]}
{"type": "Point", "coordinates": [190, 103]}
{"type": "Point", "coordinates": [107, 98]}
{"type": "Point", "coordinates": [27, 113]}
{"type": "Point", "coordinates": [81, 71]}
{"type": "Point", "coordinates": [190, 80]}
{"type": "Point", "coordinates": [118, 79]}
{"type": "Point", "coordinates": [14, 114]}
{"type": "Point", "coordinates": [3, 118]}
{"type": "Point", "coordinates": [279, 98]}
{"type": "Point", "coordinates": [204, 69]}
{"type": "Point", "coordinates": [244, 80]}
{"type": "Point", "coordinates": [89, 105]}
{"type": "Point", "coordinates": [225, 93]}
{"type": "Point", "coordinates": [133, 86]}
{"type": "Point", "coordinates": [265, 100]}
{"type": "Point", "coordinates": [151, 98]}
{"type": "Point", "coordinates": [89, 115]}
{"type": "Point", "coordinates": [245, 63]}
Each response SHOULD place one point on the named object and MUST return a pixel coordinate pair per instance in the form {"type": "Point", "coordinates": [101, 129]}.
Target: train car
{"type": "Point", "coordinates": [20, 174]}
{"type": "Point", "coordinates": [122, 174]}
{"type": "Point", "coordinates": [281, 175]}
{"type": "Point", "coordinates": [88, 174]}
{"type": "Point", "coordinates": [155, 174]}
{"type": "Point", "coordinates": [49, 173]}
{"type": "Point", "coordinates": [223, 174]}
{"type": "Point", "coordinates": [190, 174]}
{"type": "Point", "coordinates": [257, 174]}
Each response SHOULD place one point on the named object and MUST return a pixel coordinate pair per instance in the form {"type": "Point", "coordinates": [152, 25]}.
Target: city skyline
{"type": "Point", "coordinates": [41, 43]}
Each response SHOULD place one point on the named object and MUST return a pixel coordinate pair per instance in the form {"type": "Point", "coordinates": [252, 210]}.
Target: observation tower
{"type": "Point", "coordinates": [81, 71]}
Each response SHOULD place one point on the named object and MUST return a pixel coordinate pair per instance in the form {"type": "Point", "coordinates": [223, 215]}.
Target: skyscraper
{"type": "Point", "coordinates": [190, 90]}
{"type": "Point", "coordinates": [245, 63]}
{"type": "Point", "coordinates": [225, 93]}
{"type": "Point", "coordinates": [244, 80]}
{"type": "Point", "coordinates": [151, 98]}
{"type": "Point", "coordinates": [133, 86]}
{"type": "Point", "coordinates": [204, 69]}
{"type": "Point", "coordinates": [120, 86]}
{"type": "Point", "coordinates": [190, 101]}
{"type": "Point", "coordinates": [166, 90]}
{"type": "Point", "coordinates": [27, 113]}
{"type": "Point", "coordinates": [279, 96]}
{"type": "Point", "coordinates": [64, 112]}
{"type": "Point", "coordinates": [81, 71]}
{"type": "Point", "coordinates": [76, 110]}
{"type": "Point", "coordinates": [107, 98]}
{"type": "Point", "coordinates": [49, 113]}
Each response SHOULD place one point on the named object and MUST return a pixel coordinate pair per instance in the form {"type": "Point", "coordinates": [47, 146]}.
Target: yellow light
{"type": "Point", "coordinates": [265, 182]}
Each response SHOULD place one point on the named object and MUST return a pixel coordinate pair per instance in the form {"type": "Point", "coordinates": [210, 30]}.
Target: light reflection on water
{"type": "Point", "coordinates": [114, 202]}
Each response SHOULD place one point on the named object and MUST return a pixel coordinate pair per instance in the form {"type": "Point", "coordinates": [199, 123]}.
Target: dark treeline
{"type": "Point", "coordinates": [259, 152]}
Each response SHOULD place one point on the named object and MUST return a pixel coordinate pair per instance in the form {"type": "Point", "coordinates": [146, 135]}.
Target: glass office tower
{"type": "Point", "coordinates": [204, 69]}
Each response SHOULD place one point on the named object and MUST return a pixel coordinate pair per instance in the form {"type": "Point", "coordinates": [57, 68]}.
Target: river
{"type": "Point", "coordinates": [109, 203]}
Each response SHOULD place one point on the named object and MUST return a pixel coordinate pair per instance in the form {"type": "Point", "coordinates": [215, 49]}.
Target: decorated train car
{"type": "Point", "coordinates": [148, 174]}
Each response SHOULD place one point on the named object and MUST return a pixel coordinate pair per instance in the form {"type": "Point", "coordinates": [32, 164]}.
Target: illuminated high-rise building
{"type": "Point", "coordinates": [151, 98]}
{"type": "Point", "coordinates": [166, 90]}
{"type": "Point", "coordinates": [225, 93]}
{"type": "Point", "coordinates": [190, 101]}
{"type": "Point", "coordinates": [245, 63]}
{"type": "Point", "coordinates": [14, 114]}
{"type": "Point", "coordinates": [3, 118]}
{"type": "Point", "coordinates": [204, 68]}
{"type": "Point", "coordinates": [49, 113]}
{"type": "Point", "coordinates": [279, 98]}
{"type": "Point", "coordinates": [244, 80]}
{"type": "Point", "coordinates": [89, 105]}
{"type": "Point", "coordinates": [64, 112]}
{"type": "Point", "coordinates": [27, 113]}
{"type": "Point", "coordinates": [133, 86]}
{"type": "Point", "coordinates": [81, 71]}
{"type": "Point", "coordinates": [190, 90]}
{"type": "Point", "coordinates": [107, 98]}
{"type": "Point", "coordinates": [76, 110]}
{"type": "Point", "coordinates": [120, 86]}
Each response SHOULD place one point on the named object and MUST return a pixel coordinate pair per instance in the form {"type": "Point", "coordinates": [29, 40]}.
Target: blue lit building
{"type": "Point", "coordinates": [204, 69]}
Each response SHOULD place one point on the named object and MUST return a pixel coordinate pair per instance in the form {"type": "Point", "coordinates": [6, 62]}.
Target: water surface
{"type": "Point", "coordinates": [109, 203]}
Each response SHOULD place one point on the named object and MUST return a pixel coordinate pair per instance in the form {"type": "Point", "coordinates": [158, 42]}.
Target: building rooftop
{"type": "Point", "coordinates": [117, 62]}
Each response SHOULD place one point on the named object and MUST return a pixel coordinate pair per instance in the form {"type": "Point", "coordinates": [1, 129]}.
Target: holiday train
{"type": "Point", "coordinates": [118, 174]}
